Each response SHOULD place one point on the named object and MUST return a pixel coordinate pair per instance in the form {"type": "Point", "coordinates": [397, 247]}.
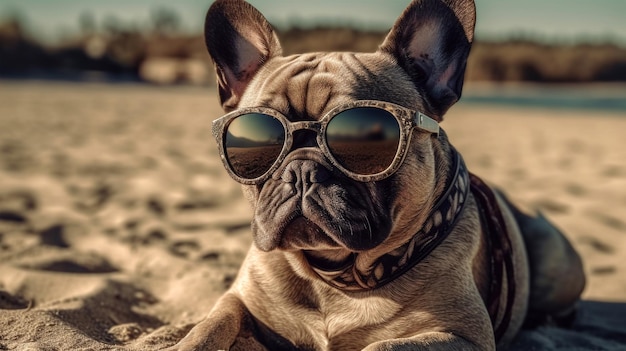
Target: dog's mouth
{"type": "Point", "coordinates": [297, 211]}
{"type": "Point", "coordinates": [303, 234]}
{"type": "Point", "coordinates": [318, 223]}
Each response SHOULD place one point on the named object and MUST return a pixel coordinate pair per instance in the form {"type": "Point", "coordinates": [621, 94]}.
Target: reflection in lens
{"type": "Point", "coordinates": [252, 143]}
{"type": "Point", "coordinates": [364, 140]}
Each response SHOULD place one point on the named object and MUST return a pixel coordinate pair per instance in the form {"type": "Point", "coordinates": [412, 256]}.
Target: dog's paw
{"type": "Point", "coordinates": [431, 341]}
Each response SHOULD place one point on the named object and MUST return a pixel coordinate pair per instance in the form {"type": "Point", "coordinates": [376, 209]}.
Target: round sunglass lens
{"type": "Point", "coordinates": [252, 143]}
{"type": "Point", "coordinates": [364, 140]}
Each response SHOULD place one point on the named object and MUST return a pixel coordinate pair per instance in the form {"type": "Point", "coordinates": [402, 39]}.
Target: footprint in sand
{"type": "Point", "coordinates": [602, 248]}
{"type": "Point", "coordinates": [603, 270]}
{"type": "Point", "coordinates": [37, 245]}
{"type": "Point", "coordinates": [551, 206]}
{"type": "Point", "coordinates": [597, 245]}
{"type": "Point", "coordinates": [10, 302]}
{"type": "Point", "coordinates": [18, 200]}
{"type": "Point", "coordinates": [608, 220]}
{"type": "Point", "coordinates": [67, 261]}
{"type": "Point", "coordinates": [15, 207]}
{"type": "Point", "coordinates": [184, 248]}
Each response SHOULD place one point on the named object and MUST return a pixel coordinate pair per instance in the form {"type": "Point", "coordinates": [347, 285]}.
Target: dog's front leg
{"type": "Point", "coordinates": [228, 326]}
{"type": "Point", "coordinates": [431, 341]}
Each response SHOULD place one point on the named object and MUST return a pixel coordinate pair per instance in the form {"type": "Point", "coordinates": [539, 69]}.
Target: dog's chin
{"type": "Point", "coordinates": [303, 234]}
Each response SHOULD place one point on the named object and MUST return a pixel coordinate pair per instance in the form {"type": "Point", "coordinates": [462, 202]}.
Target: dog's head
{"type": "Point", "coordinates": [307, 202]}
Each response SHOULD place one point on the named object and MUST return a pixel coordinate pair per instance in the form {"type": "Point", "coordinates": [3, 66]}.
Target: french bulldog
{"type": "Point", "coordinates": [369, 231]}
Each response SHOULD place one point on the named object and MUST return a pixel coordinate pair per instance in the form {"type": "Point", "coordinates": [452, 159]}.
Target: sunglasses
{"type": "Point", "coordinates": [365, 139]}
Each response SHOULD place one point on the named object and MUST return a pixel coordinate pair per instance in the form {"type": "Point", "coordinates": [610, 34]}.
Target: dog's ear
{"type": "Point", "coordinates": [431, 41]}
{"type": "Point", "coordinates": [239, 40]}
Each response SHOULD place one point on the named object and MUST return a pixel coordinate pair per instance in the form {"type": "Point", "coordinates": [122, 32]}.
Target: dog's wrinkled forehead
{"type": "Point", "coordinates": [304, 87]}
{"type": "Point", "coordinates": [425, 51]}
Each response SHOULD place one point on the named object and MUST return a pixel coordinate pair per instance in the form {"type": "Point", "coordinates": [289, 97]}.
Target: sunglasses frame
{"type": "Point", "coordinates": [407, 119]}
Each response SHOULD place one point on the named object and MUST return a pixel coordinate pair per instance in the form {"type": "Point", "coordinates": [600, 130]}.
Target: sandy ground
{"type": "Point", "coordinates": [119, 227]}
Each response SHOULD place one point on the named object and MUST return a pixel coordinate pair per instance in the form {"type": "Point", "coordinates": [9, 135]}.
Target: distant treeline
{"type": "Point", "coordinates": [514, 60]}
{"type": "Point", "coordinates": [166, 57]}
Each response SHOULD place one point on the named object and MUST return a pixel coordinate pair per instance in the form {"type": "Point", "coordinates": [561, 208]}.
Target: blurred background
{"type": "Point", "coordinates": [108, 166]}
{"type": "Point", "coordinates": [158, 41]}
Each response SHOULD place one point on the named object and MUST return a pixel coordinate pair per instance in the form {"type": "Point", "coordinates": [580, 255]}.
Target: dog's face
{"type": "Point", "coordinates": [307, 204]}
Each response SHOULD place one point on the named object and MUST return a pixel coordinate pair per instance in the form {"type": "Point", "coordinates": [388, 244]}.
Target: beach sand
{"type": "Point", "coordinates": [119, 227]}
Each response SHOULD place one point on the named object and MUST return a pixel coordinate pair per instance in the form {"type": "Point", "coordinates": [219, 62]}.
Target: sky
{"type": "Point", "coordinates": [569, 20]}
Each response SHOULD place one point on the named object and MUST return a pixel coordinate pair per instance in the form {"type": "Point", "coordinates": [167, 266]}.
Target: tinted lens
{"type": "Point", "coordinates": [253, 143]}
{"type": "Point", "coordinates": [363, 139]}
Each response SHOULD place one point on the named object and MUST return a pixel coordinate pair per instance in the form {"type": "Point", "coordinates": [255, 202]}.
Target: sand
{"type": "Point", "coordinates": [119, 227]}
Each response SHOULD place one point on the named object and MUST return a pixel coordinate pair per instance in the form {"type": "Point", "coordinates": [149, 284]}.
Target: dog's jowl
{"type": "Point", "coordinates": [370, 233]}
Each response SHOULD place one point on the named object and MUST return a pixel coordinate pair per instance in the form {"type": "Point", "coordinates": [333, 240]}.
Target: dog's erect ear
{"type": "Point", "coordinates": [431, 41]}
{"type": "Point", "coordinates": [240, 41]}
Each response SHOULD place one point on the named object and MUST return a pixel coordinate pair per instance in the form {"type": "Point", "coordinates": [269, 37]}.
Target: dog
{"type": "Point", "coordinates": [369, 231]}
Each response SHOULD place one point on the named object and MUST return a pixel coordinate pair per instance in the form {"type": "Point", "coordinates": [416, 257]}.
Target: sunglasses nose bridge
{"type": "Point", "coordinates": [304, 134]}
{"type": "Point", "coordinates": [314, 126]}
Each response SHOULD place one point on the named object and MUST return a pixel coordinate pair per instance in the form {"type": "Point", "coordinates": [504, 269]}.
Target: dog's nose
{"type": "Point", "coordinates": [305, 171]}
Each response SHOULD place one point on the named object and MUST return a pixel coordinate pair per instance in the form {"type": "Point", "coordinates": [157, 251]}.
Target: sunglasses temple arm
{"type": "Point", "coordinates": [216, 129]}
{"type": "Point", "coordinates": [426, 123]}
